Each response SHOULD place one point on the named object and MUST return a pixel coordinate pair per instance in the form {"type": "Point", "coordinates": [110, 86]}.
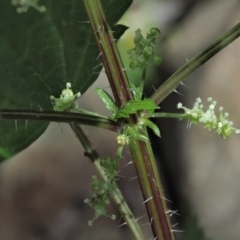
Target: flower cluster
{"type": "Point", "coordinates": [122, 139]}
{"type": "Point", "coordinates": [104, 188]}
{"type": "Point", "coordinates": [23, 5]}
{"type": "Point", "coordinates": [143, 53]}
{"type": "Point", "coordinates": [211, 121]}
{"type": "Point", "coordinates": [100, 198]}
{"type": "Point", "coordinates": [66, 99]}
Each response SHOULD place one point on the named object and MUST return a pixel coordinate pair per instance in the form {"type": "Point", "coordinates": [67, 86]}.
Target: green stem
{"type": "Point", "coordinates": [142, 82]}
{"type": "Point", "coordinates": [173, 82]}
{"type": "Point", "coordinates": [141, 152]}
{"type": "Point", "coordinates": [116, 194]}
{"type": "Point", "coordinates": [168, 115]}
{"type": "Point", "coordinates": [67, 117]}
{"type": "Point", "coordinates": [109, 53]}
{"type": "Point", "coordinates": [152, 189]}
{"type": "Point", "coordinates": [77, 109]}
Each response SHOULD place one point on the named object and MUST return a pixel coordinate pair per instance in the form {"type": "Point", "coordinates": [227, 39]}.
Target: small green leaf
{"type": "Point", "coordinates": [107, 99]}
{"type": "Point", "coordinates": [137, 92]}
{"type": "Point", "coordinates": [153, 126]}
{"type": "Point", "coordinates": [134, 106]}
{"type": "Point", "coordinates": [134, 133]}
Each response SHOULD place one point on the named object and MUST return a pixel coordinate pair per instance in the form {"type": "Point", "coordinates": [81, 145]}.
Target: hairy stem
{"type": "Point", "coordinates": [142, 82]}
{"type": "Point", "coordinates": [67, 117]}
{"type": "Point", "coordinates": [168, 115]}
{"type": "Point", "coordinates": [116, 194]}
{"type": "Point", "coordinates": [152, 189]}
{"type": "Point", "coordinates": [110, 57]}
{"type": "Point", "coordinates": [141, 152]}
{"type": "Point", "coordinates": [173, 82]}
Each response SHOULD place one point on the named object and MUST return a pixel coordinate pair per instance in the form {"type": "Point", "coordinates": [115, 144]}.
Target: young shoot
{"type": "Point", "coordinates": [143, 53]}
{"type": "Point", "coordinates": [132, 107]}
{"type": "Point", "coordinates": [211, 121]}
{"type": "Point", "coordinates": [23, 5]}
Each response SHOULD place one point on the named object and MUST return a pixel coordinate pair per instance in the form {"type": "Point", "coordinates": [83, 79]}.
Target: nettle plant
{"type": "Point", "coordinates": [50, 54]}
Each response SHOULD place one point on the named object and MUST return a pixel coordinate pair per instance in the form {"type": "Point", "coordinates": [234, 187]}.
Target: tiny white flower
{"type": "Point", "coordinates": [211, 106]}
{"type": "Point", "coordinates": [211, 121]}
{"type": "Point", "coordinates": [68, 85]}
{"type": "Point", "coordinates": [179, 105]}
{"type": "Point", "coordinates": [78, 94]}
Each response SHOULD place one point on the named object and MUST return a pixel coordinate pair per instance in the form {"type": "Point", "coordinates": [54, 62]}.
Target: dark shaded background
{"type": "Point", "coordinates": [43, 188]}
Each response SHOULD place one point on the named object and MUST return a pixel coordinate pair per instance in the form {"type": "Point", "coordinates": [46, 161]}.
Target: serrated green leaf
{"type": "Point", "coordinates": [134, 106]}
{"type": "Point", "coordinates": [153, 126]}
{"type": "Point", "coordinates": [39, 53]}
{"type": "Point", "coordinates": [107, 99]}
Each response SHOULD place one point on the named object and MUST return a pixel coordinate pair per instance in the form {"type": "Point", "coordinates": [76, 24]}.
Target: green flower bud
{"type": "Point", "coordinates": [157, 60]}
{"type": "Point", "coordinates": [138, 51]}
{"type": "Point", "coordinates": [148, 51]}
{"type": "Point", "coordinates": [138, 36]}
{"type": "Point", "coordinates": [134, 63]}
{"type": "Point", "coordinates": [106, 162]}
{"type": "Point", "coordinates": [153, 34]}
{"type": "Point", "coordinates": [155, 31]}
{"type": "Point", "coordinates": [226, 131]}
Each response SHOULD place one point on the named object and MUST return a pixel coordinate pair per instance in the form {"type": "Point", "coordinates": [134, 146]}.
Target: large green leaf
{"type": "Point", "coordinates": [39, 53]}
